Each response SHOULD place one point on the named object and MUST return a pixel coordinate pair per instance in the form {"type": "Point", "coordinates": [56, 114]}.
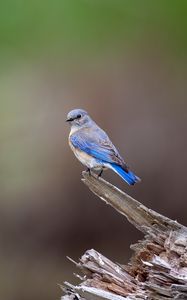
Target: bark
{"type": "Point", "coordinates": [158, 267]}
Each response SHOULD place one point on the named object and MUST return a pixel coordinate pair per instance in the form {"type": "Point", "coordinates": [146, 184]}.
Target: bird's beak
{"type": "Point", "coordinates": [69, 120]}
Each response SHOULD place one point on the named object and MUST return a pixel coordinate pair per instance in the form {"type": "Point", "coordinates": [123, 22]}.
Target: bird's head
{"type": "Point", "coordinates": [78, 117]}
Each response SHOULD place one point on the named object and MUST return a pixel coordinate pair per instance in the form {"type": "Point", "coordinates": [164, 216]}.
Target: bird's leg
{"type": "Point", "coordinates": [88, 171]}
{"type": "Point", "coordinates": [100, 173]}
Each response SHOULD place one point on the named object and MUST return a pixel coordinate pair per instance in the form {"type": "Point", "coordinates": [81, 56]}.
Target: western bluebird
{"type": "Point", "coordinates": [93, 148]}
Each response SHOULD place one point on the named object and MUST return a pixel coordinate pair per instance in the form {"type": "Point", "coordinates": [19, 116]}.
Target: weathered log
{"type": "Point", "coordinates": [158, 267]}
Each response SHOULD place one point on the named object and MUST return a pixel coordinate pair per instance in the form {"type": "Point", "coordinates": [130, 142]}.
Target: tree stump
{"type": "Point", "coordinates": [158, 267]}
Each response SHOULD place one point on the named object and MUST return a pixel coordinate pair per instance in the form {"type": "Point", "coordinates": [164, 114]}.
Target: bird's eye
{"type": "Point", "coordinates": [79, 116]}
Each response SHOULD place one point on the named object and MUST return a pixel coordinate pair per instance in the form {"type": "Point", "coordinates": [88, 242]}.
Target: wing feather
{"type": "Point", "coordinates": [97, 144]}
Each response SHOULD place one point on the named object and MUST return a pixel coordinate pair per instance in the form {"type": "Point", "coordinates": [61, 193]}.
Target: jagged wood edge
{"type": "Point", "coordinates": [144, 219]}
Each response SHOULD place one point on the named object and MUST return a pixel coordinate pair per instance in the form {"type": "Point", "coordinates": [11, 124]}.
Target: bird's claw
{"type": "Point", "coordinates": [88, 171]}
{"type": "Point", "coordinates": [100, 173]}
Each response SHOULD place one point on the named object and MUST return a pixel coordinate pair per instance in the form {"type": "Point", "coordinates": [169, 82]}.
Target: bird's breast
{"type": "Point", "coordinates": [84, 158]}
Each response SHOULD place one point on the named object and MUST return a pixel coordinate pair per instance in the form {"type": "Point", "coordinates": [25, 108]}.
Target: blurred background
{"type": "Point", "coordinates": [126, 63]}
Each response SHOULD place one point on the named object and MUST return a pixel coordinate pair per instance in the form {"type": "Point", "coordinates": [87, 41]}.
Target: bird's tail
{"type": "Point", "coordinates": [129, 176]}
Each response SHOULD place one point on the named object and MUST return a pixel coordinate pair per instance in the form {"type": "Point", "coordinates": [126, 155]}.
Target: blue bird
{"type": "Point", "coordinates": [92, 146]}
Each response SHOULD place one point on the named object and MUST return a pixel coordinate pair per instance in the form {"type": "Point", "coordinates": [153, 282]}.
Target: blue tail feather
{"type": "Point", "coordinates": [129, 176]}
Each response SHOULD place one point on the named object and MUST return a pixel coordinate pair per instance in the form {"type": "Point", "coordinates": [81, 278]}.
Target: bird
{"type": "Point", "coordinates": [93, 148]}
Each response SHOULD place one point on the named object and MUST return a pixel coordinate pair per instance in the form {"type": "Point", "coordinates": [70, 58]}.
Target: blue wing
{"type": "Point", "coordinates": [97, 144]}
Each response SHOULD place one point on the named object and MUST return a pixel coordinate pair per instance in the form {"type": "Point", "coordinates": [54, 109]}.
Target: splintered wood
{"type": "Point", "coordinates": [158, 267]}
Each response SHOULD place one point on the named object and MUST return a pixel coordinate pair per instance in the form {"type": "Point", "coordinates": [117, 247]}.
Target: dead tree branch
{"type": "Point", "coordinates": [158, 267]}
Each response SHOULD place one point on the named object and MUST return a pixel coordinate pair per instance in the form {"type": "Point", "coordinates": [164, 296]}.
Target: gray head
{"type": "Point", "coordinates": [78, 117]}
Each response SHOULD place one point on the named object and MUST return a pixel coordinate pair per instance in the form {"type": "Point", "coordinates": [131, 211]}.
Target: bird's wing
{"type": "Point", "coordinates": [96, 143]}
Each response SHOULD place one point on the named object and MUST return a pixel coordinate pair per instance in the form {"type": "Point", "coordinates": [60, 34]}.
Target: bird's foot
{"type": "Point", "coordinates": [100, 173]}
{"type": "Point", "coordinates": [88, 171]}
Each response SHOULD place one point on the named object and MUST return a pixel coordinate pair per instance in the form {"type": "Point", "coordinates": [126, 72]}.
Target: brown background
{"type": "Point", "coordinates": [135, 90]}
